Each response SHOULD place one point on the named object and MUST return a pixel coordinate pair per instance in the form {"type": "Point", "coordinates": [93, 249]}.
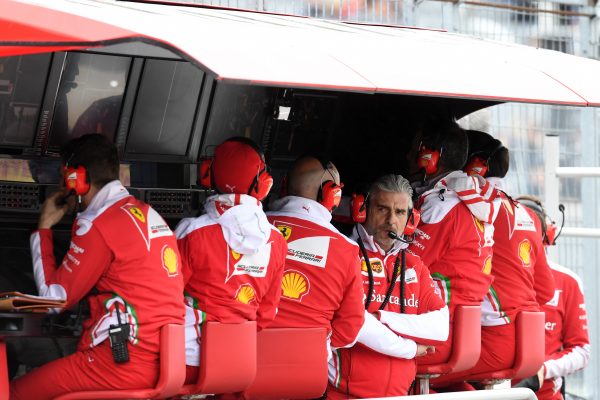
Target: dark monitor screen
{"type": "Point", "coordinates": [165, 108]}
{"type": "Point", "coordinates": [89, 97]}
{"type": "Point", "coordinates": [22, 83]}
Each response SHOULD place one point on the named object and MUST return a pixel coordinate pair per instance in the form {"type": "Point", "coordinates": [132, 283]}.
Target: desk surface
{"type": "Point", "coordinates": [39, 325]}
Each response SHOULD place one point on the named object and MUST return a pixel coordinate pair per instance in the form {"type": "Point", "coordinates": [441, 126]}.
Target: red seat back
{"type": "Point", "coordinates": [292, 364]}
{"type": "Point", "coordinates": [227, 357]}
{"type": "Point", "coordinates": [172, 361]}
{"type": "Point", "coordinates": [170, 380]}
{"type": "Point", "coordinates": [530, 346]}
{"type": "Point", "coordinates": [529, 349]}
{"type": "Point", "coordinates": [466, 343]}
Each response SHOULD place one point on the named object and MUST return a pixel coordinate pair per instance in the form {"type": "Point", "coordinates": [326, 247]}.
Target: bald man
{"type": "Point", "coordinates": [321, 284]}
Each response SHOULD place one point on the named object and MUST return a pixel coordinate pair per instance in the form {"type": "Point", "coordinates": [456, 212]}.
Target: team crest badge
{"type": "Point", "coordinates": [236, 256]}
{"type": "Point", "coordinates": [478, 224]}
{"type": "Point", "coordinates": [136, 212]}
{"type": "Point", "coordinates": [487, 265]}
{"type": "Point", "coordinates": [285, 230]}
{"type": "Point", "coordinates": [169, 260]}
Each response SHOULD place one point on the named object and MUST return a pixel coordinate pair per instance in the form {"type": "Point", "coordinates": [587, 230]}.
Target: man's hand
{"type": "Point", "coordinates": [52, 213]}
{"type": "Point", "coordinates": [424, 350]}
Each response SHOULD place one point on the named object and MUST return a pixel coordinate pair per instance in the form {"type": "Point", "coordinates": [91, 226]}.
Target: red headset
{"type": "Point", "coordinates": [550, 236]}
{"type": "Point", "coordinates": [261, 184]}
{"type": "Point", "coordinates": [428, 159]}
{"type": "Point", "coordinates": [478, 164]}
{"type": "Point", "coordinates": [359, 205]}
{"type": "Point", "coordinates": [330, 193]}
{"type": "Point", "coordinates": [76, 179]}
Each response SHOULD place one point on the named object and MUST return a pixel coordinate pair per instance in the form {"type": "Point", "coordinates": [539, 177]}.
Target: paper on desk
{"type": "Point", "coordinates": [17, 301]}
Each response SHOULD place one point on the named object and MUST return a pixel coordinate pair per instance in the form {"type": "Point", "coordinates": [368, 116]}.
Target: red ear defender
{"type": "Point", "coordinates": [263, 186]}
{"type": "Point", "coordinates": [428, 159]}
{"type": "Point", "coordinates": [477, 166]}
{"type": "Point", "coordinates": [76, 180]}
{"type": "Point", "coordinates": [330, 195]}
{"type": "Point", "coordinates": [204, 175]}
{"type": "Point", "coordinates": [550, 237]}
{"type": "Point", "coordinates": [414, 217]}
{"type": "Point", "coordinates": [358, 208]}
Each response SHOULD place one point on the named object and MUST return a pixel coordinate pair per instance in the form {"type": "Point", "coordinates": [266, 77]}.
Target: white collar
{"type": "Point", "coordinates": [106, 197]}
{"type": "Point", "coordinates": [306, 208]}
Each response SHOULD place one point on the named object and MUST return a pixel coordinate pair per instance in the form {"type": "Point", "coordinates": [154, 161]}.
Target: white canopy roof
{"type": "Point", "coordinates": [289, 51]}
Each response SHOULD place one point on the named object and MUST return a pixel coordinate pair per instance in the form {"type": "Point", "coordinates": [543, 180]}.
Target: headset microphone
{"type": "Point", "coordinates": [561, 208]}
{"type": "Point", "coordinates": [393, 235]}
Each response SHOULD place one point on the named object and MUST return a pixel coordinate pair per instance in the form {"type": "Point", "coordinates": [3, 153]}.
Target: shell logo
{"type": "Point", "coordinates": [136, 212]}
{"type": "Point", "coordinates": [285, 230]}
{"type": "Point", "coordinates": [236, 256]}
{"type": "Point", "coordinates": [478, 224]}
{"type": "Point", "coordinates": [245, 294]}
{"type": "Point", "coordinates": [294, 285]}
{"type": "Point", "coordinates": [487, 265]}
{"type": "Point", "coordinates": [525, 252]}
{"type": "Point", "coordinates": [169, 260]}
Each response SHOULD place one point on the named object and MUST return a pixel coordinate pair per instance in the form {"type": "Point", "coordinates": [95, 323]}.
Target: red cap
{"type": "Point", "coordinates": [235, 167]}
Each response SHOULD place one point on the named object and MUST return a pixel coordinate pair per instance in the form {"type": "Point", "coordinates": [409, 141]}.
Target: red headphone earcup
{"type": "Point", "coordinates": [550, 234]}
{"type": "Point", "coordinates": [331, 195]}
{"type": "Point", "coordinates": [76, 180]}
{"type": "Point", "coordinates": [204, 175]}
{"type": "Point", "coordinates": [358, 208]}
{"type": "Point", "coordinates": [413, 221]}
{"type": "Point", "coordinates": [263, 186]}
{"type": "Point", "coordinates": [428, 160]}
{"type": "Point", "coordinates": [476, 166]}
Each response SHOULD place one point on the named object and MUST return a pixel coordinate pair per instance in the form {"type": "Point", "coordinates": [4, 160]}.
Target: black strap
{"type": "Point", "coordinates": [369, 270]}
{"type": "Point", "coordinates": [400, 257]}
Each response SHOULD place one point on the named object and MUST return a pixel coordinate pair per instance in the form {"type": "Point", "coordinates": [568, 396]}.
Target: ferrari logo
{"type": "Point", "coordinates": [285, 230]}
{"type": "Point", "coordinates": [236, 256]}
{"type": "Point", "coordinates": [136, 212]}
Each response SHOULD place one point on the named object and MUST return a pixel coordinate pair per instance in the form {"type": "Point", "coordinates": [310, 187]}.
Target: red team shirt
{"type": "Point", "coordinates": [455, 245]}
{"type": "Point", "coordinates": [125, 250]}
{"type": "Point", "coordinates": [522, 277]}
{"type": "Point", "coordinates": [321, 284]}
{"type": "Point", "coordinates": [222, 284]}
{"type": "Point", "coordinates": [364, 372]}
{"type": "Point", "coordinates": [567, 340]}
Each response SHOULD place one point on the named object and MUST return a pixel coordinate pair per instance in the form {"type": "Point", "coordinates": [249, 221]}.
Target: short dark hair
{"type": "Point", "coordinates": [486, 146]}
{"type": "Point", "coordinates": [97, 154]}
{"type": "Point", "coordinates": [446, 136]}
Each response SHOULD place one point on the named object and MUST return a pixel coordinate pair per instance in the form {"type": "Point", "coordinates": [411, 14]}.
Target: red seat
{"type": "Point", "coordinates": [466, 346]}
{"type": "Point", "coordinates": [227, 358]}
{"type": "Point", "coordinates": [3, 372]}
{"type": "Point", "coordinates": [529, 350]}
{"type": "Point", "coordinates": [292, 364]}
{"type": "Point", "coordinates": [172, 371]}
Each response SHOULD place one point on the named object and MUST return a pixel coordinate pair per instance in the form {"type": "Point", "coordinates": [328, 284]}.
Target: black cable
{"type": "Point", "coordinates": [361, 245]}
{"type": "Point", "coordinates": [395, 273]}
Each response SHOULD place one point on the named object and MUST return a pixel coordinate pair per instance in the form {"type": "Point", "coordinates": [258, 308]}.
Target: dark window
{"type": "Point", "coordinates": [22, 83]}
{"type": "Point", "coordinates": [165, 108]}
{"type": "Point", "coordinates": [89, 97]}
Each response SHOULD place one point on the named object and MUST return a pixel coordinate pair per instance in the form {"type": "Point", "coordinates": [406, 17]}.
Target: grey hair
{"type": "Point", "coordinates": [394, 184]}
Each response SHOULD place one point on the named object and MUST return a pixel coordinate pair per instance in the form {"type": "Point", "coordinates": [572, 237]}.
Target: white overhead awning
{"type": "Point", "coordinates": [288, 51]}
